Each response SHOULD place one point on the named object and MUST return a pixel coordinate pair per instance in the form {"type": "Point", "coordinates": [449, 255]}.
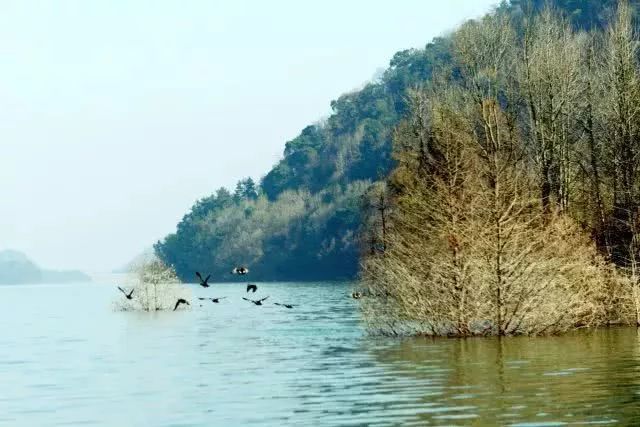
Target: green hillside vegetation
{"type": "Point", "coordinates": [304, 219]}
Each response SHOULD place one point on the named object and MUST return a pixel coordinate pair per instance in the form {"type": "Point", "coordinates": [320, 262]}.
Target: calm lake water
{"type": "Point", "coordinates": [66, 359]}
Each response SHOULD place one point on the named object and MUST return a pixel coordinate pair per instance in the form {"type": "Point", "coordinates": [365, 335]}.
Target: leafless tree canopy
{"type": "Point", "coordinates": [514, 205]}
{"type": "Point", "coordinates": [155, 287]}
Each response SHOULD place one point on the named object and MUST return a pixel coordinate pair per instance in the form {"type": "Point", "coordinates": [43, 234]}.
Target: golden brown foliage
{"type": "Point", "coordinates": [470, 249]}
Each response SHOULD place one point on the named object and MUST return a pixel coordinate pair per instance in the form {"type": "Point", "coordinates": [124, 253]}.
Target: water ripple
{"type": "Point", "coordinates": [235, 364]}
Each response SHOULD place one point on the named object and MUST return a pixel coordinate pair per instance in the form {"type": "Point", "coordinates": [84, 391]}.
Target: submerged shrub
{"type": "Point", "coordinates": [549, 279]}
{"type": "Point", "coordinates": [155, 287]}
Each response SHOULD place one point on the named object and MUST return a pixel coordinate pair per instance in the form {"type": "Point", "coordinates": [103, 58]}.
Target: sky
{"type": "Point", "coordinates": [117, 115]}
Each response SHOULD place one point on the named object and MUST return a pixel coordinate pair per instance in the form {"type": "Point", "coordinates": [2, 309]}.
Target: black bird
{"type": "Point", "coordinates": [128, 295]}
{"type": "Point", "coordinates": [256, 302]}
{"type": "Point", "coordinates": [356, 295]}
{"type": "Point", "coordinates": [180, 301]}
{"type": "Point", "coordinates": [285, 305]}
{"type": "Point", "coordinates": [203, 282]}
{"type": "Point", "coordinates": [251, 287]}
{"type": "Point", "coordinates": [215, 300]}
{"type": "Point", "coordinates": [240, 270]}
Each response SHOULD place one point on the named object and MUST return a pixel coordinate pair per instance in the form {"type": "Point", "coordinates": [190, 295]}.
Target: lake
{"type": "Point", "coordinates": [68, 359]}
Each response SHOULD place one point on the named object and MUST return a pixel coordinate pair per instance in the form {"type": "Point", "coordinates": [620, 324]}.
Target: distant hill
{"type": "Point", "coordinates": [16, 268]}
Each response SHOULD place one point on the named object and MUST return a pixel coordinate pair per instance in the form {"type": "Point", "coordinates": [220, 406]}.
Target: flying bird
{"type": "Point", "coordinates": [256, 302]}
{"type": "Point", "coordinates": [128, 295]}
{"type": "Point", "coordinates": [214, 300]}
{"type": "Point", "coordinates": [240, 270]}
{"type": "Point", "coordinates": [285, 305]}
{"type": "Point", "coordinates": [203, 282]}
{"type": "Point", "coordinates": [251, 287]}
{"type": "Point", "coordinates": [180, 301]}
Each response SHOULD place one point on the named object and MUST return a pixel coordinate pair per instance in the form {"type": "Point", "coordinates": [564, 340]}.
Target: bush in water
{"type": "Point", "coordinates": [155, 287]}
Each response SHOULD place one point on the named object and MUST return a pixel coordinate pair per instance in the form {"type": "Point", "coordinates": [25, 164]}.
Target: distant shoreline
{"type": "Point", "coordinates": [17, 269]}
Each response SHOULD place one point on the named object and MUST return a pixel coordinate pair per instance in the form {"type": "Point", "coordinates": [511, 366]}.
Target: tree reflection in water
{"type": "Point", "coordinates": [578, 378]}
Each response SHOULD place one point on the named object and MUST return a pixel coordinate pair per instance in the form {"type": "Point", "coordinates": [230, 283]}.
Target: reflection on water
{"type": "Point", "coordinates": [579, 379]}
{"type": "Point", "coordinates": [67, 359]}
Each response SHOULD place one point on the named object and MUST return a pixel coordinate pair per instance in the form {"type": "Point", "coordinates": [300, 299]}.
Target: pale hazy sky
{"type": "Point", "coordinates": [115, 116]}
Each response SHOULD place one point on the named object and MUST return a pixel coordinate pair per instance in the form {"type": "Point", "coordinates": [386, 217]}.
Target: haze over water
{"type": "Point", "coordinates": [66, 358]}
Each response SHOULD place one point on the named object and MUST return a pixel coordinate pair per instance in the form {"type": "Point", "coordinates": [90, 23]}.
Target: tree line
{"type": "Point", "coordinates": [514, 207]}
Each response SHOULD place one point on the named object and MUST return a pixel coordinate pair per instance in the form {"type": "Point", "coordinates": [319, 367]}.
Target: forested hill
{"type": "Point", "coordinates": [302, 221]}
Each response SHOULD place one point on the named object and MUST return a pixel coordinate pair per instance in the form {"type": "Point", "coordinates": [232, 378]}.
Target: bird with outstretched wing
{"type": "Point", "coordinates": [256, 302]}
{"type": "Point", "coordinates": [180, 301]}
{"type": "Point", "coordinates": [127, 295]}
{"type": "Point", "coordinates": [214, 300]}
{"type": "Point", "coordinates": [203, 282]}
{"type": "Point", "coordinates": [284, 305]}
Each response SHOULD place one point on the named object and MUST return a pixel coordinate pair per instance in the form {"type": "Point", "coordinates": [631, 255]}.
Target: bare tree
{"type": "Point", "coordinates": [621, 116]}
{"type": "Point", "coordinates": [431, 221]}
{"type": "Point", "coordinates": [592, 196]}
{"type": "Point", "coordinates": [155, 286]}
{"type": "Point", "coordinates": [550, 81]}
{"type": "Point", "coordinates": [471, 250]}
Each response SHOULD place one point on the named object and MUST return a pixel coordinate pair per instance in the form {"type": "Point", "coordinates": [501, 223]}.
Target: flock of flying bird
{"type": "Point", "coordinates": [204, 282]}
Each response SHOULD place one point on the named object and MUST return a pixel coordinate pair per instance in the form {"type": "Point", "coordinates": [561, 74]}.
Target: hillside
{"type": "Point", "coordinates": [16, 268]}
{"type": "Point", "coordinates": [302, 222]}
